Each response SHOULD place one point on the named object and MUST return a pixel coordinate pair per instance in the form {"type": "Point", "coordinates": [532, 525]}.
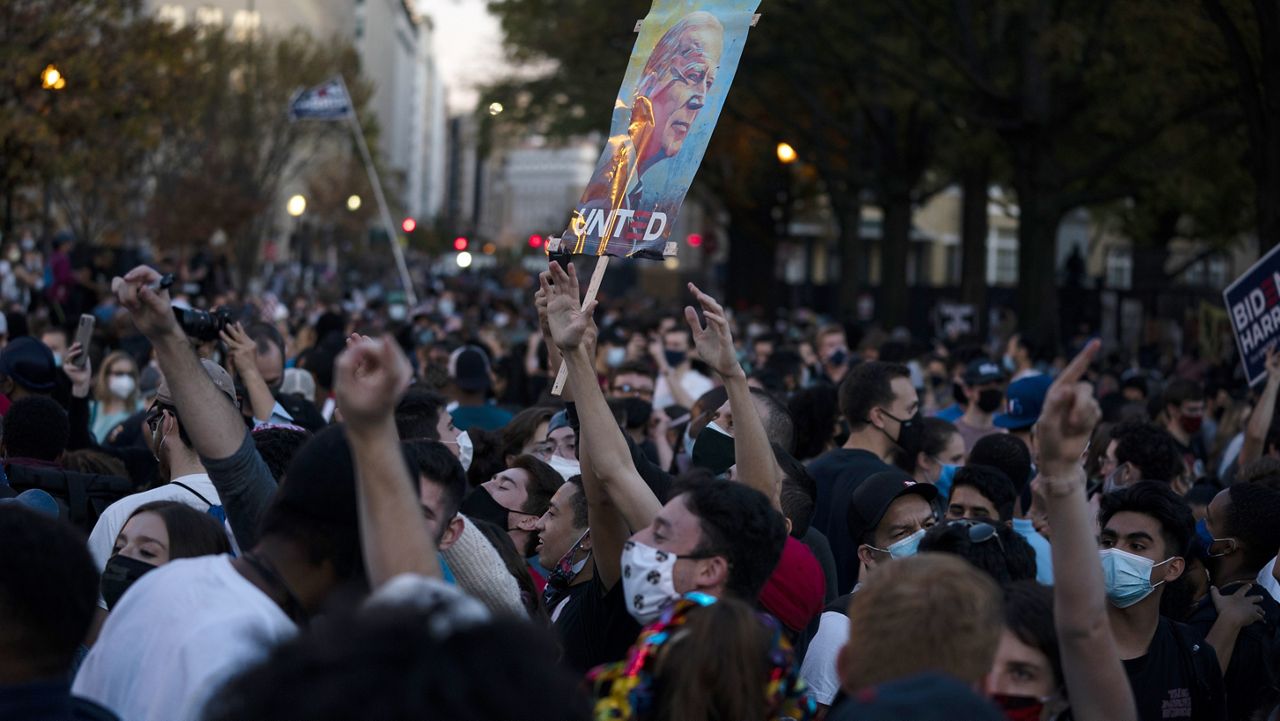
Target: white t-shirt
{"type": "Point", "coordinates": [819, 666]}
{"type": "Point", "coordinates": [103, 539]}
{"type": "Point", "coordinates": [693, 382]}
{"type": "Point", "coordinates": [179, 633]}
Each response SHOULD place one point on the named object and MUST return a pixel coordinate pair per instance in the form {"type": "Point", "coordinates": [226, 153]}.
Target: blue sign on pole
{"type": "Point", "coordinates": [327, 101]}
{"type": "Point", "coordinates": [1253, 303]}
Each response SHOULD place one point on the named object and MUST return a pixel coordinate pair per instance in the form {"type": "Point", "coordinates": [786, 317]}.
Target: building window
{"type": "Point", "coordinates": [208, 15]}
{"type": "Point", "coordinates": [1120, 268]}
{"type": "Point", "coordinates": [245, 24]}
{"type": "Point", "coordinates": [172, 14]}
{"type": "Point", "coordinates": [1007, 266]}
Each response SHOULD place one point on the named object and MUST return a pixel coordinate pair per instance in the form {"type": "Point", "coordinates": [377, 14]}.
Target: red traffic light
{"type": "Point", "coordinates": [695, 240]}
{"type": "Point", "coordinates": [459, 244]}
{"type": "Point", "coordinates": [535, 241]}
{"type": "Point", "coordinates": [409, 225]}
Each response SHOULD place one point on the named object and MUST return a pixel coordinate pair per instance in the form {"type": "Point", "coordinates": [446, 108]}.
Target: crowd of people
{"type": "Point", "coordinates": [320, 506]}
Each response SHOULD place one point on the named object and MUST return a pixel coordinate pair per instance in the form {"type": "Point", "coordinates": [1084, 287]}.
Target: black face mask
{"type": "Point", "coordinates": [121, 573]}
{"type": "Point", "coordinates": [910, 434]}
{"type": "Point", "coordinates": [713, 450]}
{"type": "Point", "coordinates": [958, 394]}
{"type": "Point", "coordinates": [638, 412]}
{"type": "Point", "coordinates": [990, 399]}
{"type": "Point", "coordinates": [480, 505]}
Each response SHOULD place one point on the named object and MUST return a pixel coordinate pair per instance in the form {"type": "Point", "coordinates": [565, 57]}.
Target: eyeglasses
{"type": "Point", "coordinates": [156, 413]}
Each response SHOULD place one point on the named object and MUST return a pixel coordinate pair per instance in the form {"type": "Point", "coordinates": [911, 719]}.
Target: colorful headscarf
{"type": "Point", "coordinates": [624, 691]}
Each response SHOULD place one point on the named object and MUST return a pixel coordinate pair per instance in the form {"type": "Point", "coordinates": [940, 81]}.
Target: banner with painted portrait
{"type": "Point", "coordinates": [680, 71]}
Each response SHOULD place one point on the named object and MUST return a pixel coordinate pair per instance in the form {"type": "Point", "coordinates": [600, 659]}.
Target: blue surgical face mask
{"type": "Point", "coordinates": [1204, 540]}
{"type": "Point", "coordinates": [1127, 577]}
{"type": "Point", "coordinates": [945, 479]}
{"type": "Point", "coordinates": [905, 547]}
{"type": "Point", "coordinates": [1009, 363]}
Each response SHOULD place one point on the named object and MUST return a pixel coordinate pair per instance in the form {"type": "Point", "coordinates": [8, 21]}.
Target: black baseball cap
{"type": "Point", "coordinates": [872, 498]}
{"type": "Point", "coordinates": [983, 371]}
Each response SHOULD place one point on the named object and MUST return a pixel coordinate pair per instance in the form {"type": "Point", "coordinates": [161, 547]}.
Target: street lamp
{"type": "Point", "coordinates": [464, 259]}
{"type": "Point", "coordinates": [496, 108]}
{"type": "Point", "coordinates": [51, 78]}
{"type": "Point", "coordinates": [296, 206]}
{"type": "Point", "coordinates": [786, 154]}
{"type": "Point", "coordinates": [353, 203]}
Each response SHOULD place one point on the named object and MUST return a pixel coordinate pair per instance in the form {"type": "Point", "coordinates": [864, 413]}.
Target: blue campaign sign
{"type": "Point", "coordinates": [327, 101]}
{"type": "Point", "coordinates": [1253, 303]}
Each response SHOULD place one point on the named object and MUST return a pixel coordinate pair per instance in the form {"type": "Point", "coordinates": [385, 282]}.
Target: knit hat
{"type": "Point", "coordinates": [479, 570]}
{"type": "Point", "coordinates": [795, 592]}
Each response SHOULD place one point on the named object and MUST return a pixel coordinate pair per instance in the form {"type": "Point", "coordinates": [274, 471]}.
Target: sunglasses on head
{"type": "Point", "coordinates": [979, 531]}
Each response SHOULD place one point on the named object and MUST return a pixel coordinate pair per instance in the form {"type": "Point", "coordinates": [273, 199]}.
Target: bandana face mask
{"type": "Point", "coordinates": [564, 572]}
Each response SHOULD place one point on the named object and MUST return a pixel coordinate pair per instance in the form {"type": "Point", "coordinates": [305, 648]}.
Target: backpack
{"type": "Point", "coordinates": [216, 510]}
{"type": "Point", "coordinates": [81, 497]}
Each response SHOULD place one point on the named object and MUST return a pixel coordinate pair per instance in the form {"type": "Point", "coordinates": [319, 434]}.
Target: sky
{"type": "Point", "coordinates": [468, 45]}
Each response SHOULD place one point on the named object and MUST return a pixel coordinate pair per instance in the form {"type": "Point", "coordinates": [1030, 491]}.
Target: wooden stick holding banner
{"type": "Point", "coordinates": [593, 288]}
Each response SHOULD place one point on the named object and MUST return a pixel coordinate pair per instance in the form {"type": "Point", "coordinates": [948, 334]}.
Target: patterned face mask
{"type": "Point", "coordinates": [564, 572]}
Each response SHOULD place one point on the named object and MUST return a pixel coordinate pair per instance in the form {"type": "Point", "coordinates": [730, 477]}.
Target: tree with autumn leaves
{"type": "Point", "coordinates": [164, 134]}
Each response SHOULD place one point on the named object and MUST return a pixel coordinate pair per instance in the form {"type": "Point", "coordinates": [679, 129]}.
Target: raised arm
{"type": "Point", "coordinates": [753, 453]}
{"type": "Point", "coordinates": [1255, 432]}
{"type": "Point", "coordinates": [1096, 681]}
{"type": "Point", "coordinates": [244, 363]}
{"type": "Point", "coordinates": [369, 378]}
{"type": "Point", "coordinates": [606, 448]}
{"type": "Point", "coordinates": [213, 424]}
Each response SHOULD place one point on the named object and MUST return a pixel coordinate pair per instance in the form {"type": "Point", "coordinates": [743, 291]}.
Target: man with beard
{"type": "Point", "coordinates": [883, 412]}
{"type": "Point", "coordinates": [1238, 536]}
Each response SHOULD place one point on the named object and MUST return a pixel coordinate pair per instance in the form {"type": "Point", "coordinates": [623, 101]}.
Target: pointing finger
{"type": "Point", "coordinates": [1076, 368]}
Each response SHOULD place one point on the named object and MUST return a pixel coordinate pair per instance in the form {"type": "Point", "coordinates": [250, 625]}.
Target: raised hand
{"type": "Point", "coordinates": [151, 309]}
{"type": "Point", "coordinates": [1069, 416]}
{"type": "Point", "coordinates": [81, 378]}
{"type": "Point", "coordinates": [370, 376]}
{"type": "Point", "coordinates": [242, 351]}
{"type": "Point", "coordinates": [714, 342]}
{"type": "Point", "coordinates": [567, 320]}
{"type": "Point", "coordinates": [1273, 365]}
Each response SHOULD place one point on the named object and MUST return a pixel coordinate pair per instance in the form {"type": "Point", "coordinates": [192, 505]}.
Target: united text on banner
{"type": "Point", "coordinates": [681, 68]}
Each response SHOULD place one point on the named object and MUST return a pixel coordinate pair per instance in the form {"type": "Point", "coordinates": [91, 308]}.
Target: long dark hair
{"type": "Point", "coordinates": [517, 567]}
{"type": "Point", "coordinates": [191, 533]}
{"type": "Point", "coordinates": [716, 666]}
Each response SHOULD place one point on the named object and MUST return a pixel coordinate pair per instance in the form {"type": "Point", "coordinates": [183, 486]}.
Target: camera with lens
{"type": "Point", "coordinates": [203, 325]}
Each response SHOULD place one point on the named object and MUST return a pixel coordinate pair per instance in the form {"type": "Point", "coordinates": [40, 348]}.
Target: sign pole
{"type": "Point", "coordinates": [592, 288]}
{"type": "Point", "coordinates": [405, 280]}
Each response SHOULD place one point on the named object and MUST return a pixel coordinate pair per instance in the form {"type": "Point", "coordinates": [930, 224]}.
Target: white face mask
{"type": "Point", "coordinates": [615, 356]}
{"type": "Point", "coordinates": [465, 450]}
{"type": "Point", "coordinates": [688, 444]}
{"type": "Point", "coordinates": [121, 386]}
{"type": "Point", "coordinates": [566, 467]}
{"type": "Point", "coordinates": [648, 581]}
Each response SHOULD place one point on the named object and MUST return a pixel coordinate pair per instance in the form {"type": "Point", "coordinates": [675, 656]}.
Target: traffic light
{"type": "Point", "coordinates": [408, 225]}
{"type": "Point", "coordinates": [535, 241]}
{"type": "Point", "coordinates": [460, 244]}
{"type": "Point", "coordinates": [695, 240]}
